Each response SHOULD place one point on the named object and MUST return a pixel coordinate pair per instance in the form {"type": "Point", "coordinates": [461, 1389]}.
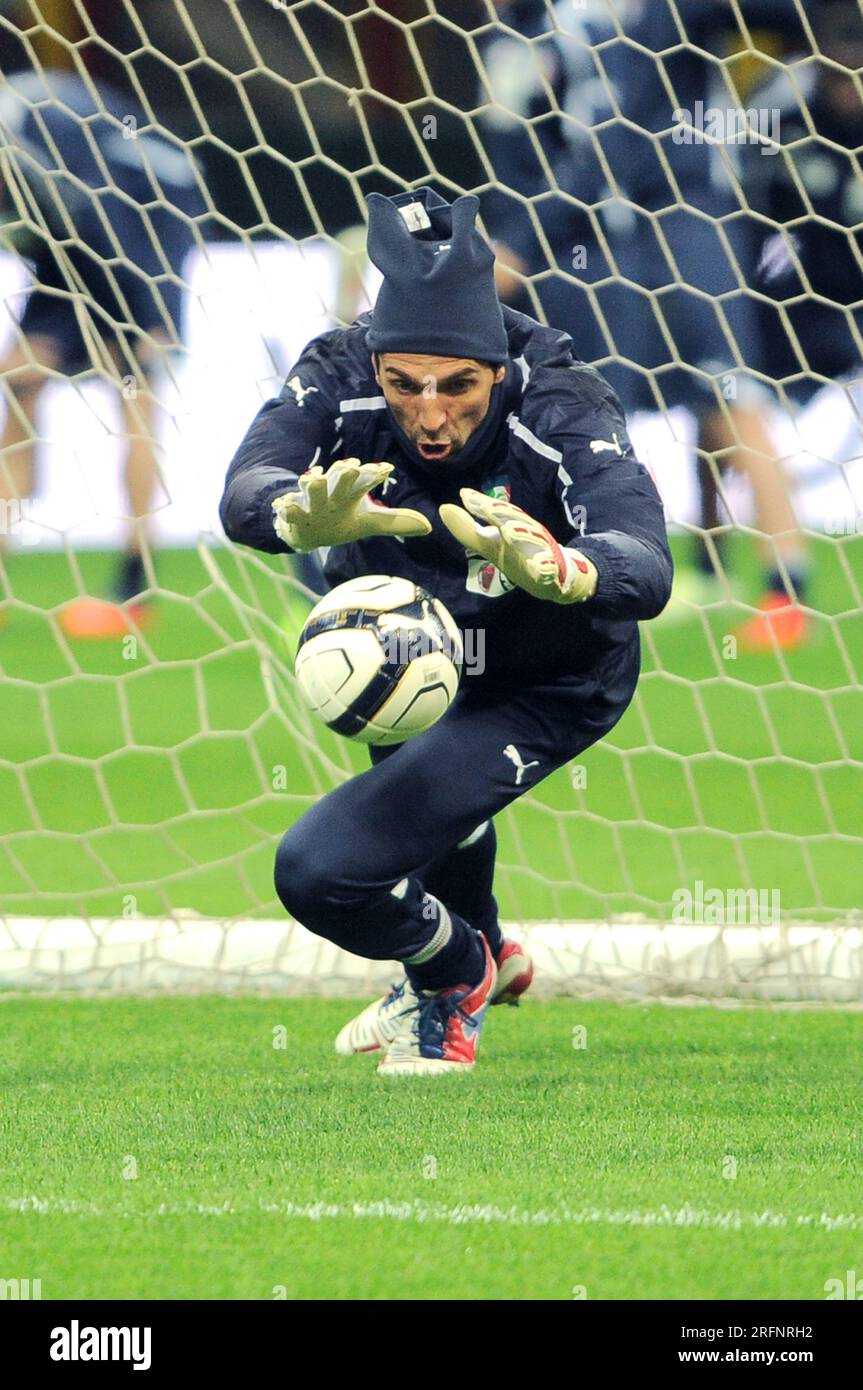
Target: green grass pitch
{"type": "Point", "coordinates": [166, 1149]}
{"type": "Point", "coordinates": [153, 776]}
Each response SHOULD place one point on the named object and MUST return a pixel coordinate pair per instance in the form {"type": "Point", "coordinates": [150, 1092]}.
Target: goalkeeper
{"type": "Point", "coordinates": [460, 445]}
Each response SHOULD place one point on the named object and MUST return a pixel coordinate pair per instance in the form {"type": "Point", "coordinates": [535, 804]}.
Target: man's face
{"type": "Point", "coordinates": [438, 401]}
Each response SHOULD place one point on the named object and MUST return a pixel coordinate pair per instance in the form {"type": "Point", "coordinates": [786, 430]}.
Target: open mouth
{"type": "Point", "coordinates": [434, 451]}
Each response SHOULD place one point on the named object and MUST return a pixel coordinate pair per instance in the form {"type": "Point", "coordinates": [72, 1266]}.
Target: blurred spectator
{"type": "Point", "coordinates": [812, 191]}
{"type": "Point", "coordinates": [655, 222]}
{"type": "Point", "coordinates": [102, 209]}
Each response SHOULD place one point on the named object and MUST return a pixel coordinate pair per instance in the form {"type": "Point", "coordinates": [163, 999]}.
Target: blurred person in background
{"type": "Point", "coordinates": [652, 237]}
{"type": "Point", "coordinates": [813, 193]}
{"type": "Point", "coordinates": [102, 210]}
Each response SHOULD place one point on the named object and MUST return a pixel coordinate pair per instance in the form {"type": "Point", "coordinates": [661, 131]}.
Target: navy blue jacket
{"type": "Point", "coordinates": [555, 438]}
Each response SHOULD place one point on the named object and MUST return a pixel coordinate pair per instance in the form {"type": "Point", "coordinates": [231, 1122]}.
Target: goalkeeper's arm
{"type": "Point", "coordinates": [610, 509]}
{"type": "Point", "coordinates": [280, 444]}
{"type": "Point", "coordinates": [279, 497]}
{"type": "Point", "coordinates": [615, 501]}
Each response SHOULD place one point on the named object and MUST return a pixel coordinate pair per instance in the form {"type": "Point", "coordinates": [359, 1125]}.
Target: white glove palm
{"type": "Point", "coordinates": [333, 508]}
{"type": "Point", "coordinates": [520, 547]}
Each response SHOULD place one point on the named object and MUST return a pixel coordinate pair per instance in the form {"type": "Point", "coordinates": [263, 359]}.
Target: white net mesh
{"type": "Point", "coordinates": [713, 843]}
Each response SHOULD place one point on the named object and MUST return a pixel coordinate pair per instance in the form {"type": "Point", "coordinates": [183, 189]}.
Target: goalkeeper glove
{"type": "Point", "coordinates": [333, 508]}
{"type": "Point", "coordinates": [520, 548]}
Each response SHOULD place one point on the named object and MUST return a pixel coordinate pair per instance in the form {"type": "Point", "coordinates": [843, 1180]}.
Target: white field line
{"type": "Point", "coordinates": [683, 1217]}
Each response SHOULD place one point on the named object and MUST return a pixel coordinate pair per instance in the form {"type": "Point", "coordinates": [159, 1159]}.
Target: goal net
{"type": "Point", "coordinates": [713, 843]}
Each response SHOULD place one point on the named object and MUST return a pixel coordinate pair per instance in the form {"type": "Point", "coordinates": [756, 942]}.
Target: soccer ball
{"type": "Point", "coordinates": [379, 659]}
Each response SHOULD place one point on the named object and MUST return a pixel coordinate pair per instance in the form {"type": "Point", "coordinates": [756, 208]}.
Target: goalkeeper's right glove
{"type": "Point", "coordinates": [333, 508]}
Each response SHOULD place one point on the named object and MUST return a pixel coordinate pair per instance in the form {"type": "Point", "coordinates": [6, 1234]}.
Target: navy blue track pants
{"type": "Point", "coordinates": [358, 868]}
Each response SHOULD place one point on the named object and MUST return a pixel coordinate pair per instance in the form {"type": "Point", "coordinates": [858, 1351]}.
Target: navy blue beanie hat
{"type": "Point", "coordinates": [438, 293]}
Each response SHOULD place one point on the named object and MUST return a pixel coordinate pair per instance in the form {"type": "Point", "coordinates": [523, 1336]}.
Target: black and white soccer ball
{"type": "Point", "coordinates": [379, 659]}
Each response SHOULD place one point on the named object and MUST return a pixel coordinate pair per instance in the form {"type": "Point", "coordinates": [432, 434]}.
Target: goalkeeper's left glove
{"type": "Point", "coordinates": [520, 548]}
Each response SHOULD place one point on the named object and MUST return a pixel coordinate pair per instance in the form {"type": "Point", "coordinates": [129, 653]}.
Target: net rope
{"type": "Point", "coordinates": [145, 781]}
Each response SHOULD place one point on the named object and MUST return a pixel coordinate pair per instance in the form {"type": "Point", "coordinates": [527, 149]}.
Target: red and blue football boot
{"type": "Point", "coordinates": [514, 973]}
{"type": "Point", "coordinates": [440, 1032]}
